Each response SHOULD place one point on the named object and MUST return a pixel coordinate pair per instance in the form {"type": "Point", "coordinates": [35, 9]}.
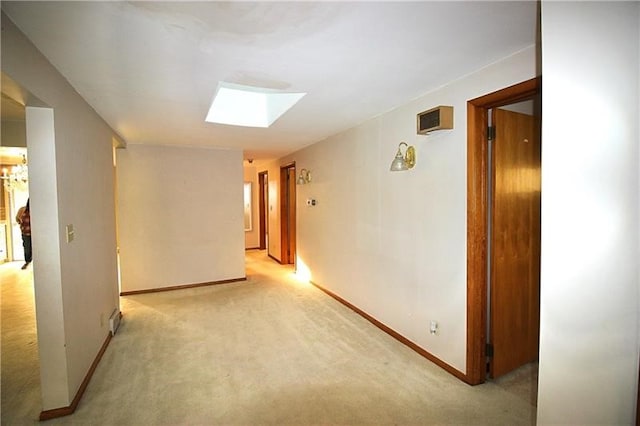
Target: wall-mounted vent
{"type": "Point", "coordinates": [114, 321]}
{"type": "Point", "coordinates": [435, 119]}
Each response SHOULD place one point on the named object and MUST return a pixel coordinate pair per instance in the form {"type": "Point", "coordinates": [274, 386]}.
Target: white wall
{"type": "Point", "coordinates": [180, 216]}
{"type": "Point", "coordinates": [252, 238]}
{"type": "Point", "coordinates": [46, 266]}
{"type": "Point", "coordinates": [394, 244]}
{"type": "Point", "coordinates": [71, 182]}
{"type": "Point", "coordinates": [13, 133]}
{"type": "Point", "coordinates": [590, 185]}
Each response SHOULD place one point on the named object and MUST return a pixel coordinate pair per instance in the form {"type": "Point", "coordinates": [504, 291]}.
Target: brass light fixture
{"type": "Point", "coordinates": [404, 161]}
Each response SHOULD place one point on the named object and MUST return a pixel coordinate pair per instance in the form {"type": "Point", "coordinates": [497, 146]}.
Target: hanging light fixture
{"type": "Point", "coordinates": [404, 161]}
{"type": "Point", "coordinates": [304, 178]}
{"type": "Point", "coordinates": [18, 174]}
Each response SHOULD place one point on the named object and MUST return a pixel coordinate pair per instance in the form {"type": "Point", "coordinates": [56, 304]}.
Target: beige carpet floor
{"type": "Point", "coordinates": [268, 351]}
{"type": "Point", "coordinates": [19, 362]}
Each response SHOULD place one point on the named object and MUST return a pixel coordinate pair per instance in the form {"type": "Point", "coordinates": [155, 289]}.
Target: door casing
{"type": "Point", "coordinates": [477, 229]}
{"type": "Point", "coordinates": [263, 196]}
{"type": "Point", "coordinates": [288, 214]}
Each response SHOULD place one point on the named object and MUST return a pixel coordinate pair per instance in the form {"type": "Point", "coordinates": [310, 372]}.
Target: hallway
{"type": "Point", "coordinates": [271, 350]}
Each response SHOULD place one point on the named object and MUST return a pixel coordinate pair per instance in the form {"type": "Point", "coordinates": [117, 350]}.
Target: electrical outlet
{"type": "Point", "coordinates": [433, 327]}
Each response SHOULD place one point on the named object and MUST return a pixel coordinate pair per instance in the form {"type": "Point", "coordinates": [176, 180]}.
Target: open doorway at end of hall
{"type": "Point", "coordinates": [503, 221]}
{"type": "Point", "coordinates": [263, 198]}
{"type": "Point", "coordinates": [21, 389]}
{"type": "Point", "coordinates": [14, 193]}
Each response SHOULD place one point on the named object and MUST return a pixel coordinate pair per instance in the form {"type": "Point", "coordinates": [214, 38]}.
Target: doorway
{"type": "Point", "coordinates": [14, 194]}
{"type": "Point", "coordinates": [489, 318]}
{"type": "Point", "coordinates": [288, 214]}
{"type": "Point", "coordinates": [514, 245]}
{"type": "Point", "coordinates": [263, 197]}
{"type": "Point", "coordinates": [20, 349]}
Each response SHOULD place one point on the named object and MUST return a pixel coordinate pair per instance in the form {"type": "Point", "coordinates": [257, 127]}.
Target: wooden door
{"type": "Point", "coordinates": [263, 182]}
{"type": "Point", "coordinates": [292, 216]}
{"type": "Point", "coordinates": [288, 214]}
{"type": "Point", "coordinates": [515, 241]}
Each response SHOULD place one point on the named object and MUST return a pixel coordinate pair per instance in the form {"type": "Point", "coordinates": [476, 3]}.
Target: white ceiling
{"type": "Point", "coordinates": [151, 69]}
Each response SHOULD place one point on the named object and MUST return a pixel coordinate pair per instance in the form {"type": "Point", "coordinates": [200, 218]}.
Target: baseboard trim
{"type": "Point", "coordinates": [251, 248]}
{"type": "Point", "coordinates": [65, 411]}
{"type": "Point", "coordinates": [181, 287]}
{"type": "Point", "coordinates": [277, 260]}
{"type": "Point", "coordinates": [399, 337]}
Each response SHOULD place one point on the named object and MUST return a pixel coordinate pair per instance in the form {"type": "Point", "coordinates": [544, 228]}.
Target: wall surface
{"type": "Point", "coordinates": [590, 184]}
{"type": "Point", "coordinates": [394, 244]}
{"type": "Point", "coordinates": [252, 237]}
{"type": "Point", "coordinates": [180, 216]}
{"type": "Point", "coordinates": [13, 133]}
{"type": "Point", "coordinates": [71, 183]}
{"type": "Point", "coordinates": [49, 303]}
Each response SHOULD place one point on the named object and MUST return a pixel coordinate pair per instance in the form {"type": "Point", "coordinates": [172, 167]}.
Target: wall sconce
{"type": "Point", "coordinates": [305, 177]}
{"type": "Point", "coordinates": [406, 161]}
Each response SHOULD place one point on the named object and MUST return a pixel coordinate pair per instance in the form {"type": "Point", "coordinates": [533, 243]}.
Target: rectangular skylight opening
{"type": "Point", "coordinates": [249, 106]}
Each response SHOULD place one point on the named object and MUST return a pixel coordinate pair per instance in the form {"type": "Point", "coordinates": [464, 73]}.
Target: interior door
{"type": "Point", "coordinates": [292, 215]}
{"type": "Point", "coordinates": [515, 241]}
{"type": "Point", "coordinates": [263, 196]}
{"type": "Point", "coordinates": [288, 214]}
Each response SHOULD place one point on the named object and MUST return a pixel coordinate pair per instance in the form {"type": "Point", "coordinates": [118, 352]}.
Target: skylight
{"type": "Point", "coordinates": [249, 106]}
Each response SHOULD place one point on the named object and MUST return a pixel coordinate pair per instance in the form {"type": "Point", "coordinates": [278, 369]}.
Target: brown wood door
{"type": "Point", "coordinates": [292, 216]}
{"type": "Point", "coordinates": [288, 214]}
{"type": "Point", "coordinates": [515, 241]}
{"type": "Point", "coordinates": [263, 179]}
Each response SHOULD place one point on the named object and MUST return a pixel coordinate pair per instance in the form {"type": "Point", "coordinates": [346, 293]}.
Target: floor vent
{"type": "Point", "coordinates": [114, 321]}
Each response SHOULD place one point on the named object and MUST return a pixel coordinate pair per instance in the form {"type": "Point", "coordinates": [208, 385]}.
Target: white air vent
{"type": "Point", "coordinates": [114, 321]}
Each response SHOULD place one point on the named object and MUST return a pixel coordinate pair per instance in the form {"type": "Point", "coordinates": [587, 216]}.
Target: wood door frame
{"type": "Point", "coordinates": [477, 232]}
{"type": "Point", "coordinates": [285, 220]}
{"type": "Point", "coordinates": [263, 178]}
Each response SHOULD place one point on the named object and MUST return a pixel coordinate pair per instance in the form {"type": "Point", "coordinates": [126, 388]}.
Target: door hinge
{"type": "Point", "coordinates": [488, 350]}
{"type": "Point", "coordinates": [491, 133]}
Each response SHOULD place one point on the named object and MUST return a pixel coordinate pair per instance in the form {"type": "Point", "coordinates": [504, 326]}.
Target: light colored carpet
{"type": "Point", "coordinates": [268, 351]}
{"type": "Point", "coordinates": [19, 362]}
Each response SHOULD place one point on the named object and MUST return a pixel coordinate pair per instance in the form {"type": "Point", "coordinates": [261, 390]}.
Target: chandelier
{"type": "Point", "coordinates": [18, 175]}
